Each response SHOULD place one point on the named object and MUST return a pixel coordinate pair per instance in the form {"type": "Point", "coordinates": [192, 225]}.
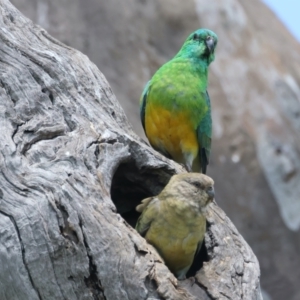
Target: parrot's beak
{"type": "Point", "coordinates": [210, 44]}
{"type": "Point", "coordinates": [211, 193]}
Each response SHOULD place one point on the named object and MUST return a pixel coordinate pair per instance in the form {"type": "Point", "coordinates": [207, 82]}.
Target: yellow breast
{"type": "Point", "coordinates": [171, 131]}
{"type": "Point", "coordinates": [176, 240]}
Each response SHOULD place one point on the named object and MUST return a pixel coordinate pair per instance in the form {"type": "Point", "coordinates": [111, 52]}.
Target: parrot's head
{"type": "Point", "coordinates": [196, 188]}
{"type": "Point", "coordinates": [200, 44]}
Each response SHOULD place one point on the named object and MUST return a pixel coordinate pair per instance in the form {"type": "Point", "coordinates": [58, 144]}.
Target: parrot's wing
{"type": "Point", "coordinates": [149, 213]}
{"type": "Point", "coordinates": [204, 132]}
{"type": "Point", "coordinates": [143, 102]}
{"type": "Point", "coordinates": [143, 205]}
{"type": "Point", "coordinates": [198, 249]}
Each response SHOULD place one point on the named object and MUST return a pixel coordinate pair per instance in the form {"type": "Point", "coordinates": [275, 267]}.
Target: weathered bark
{"type": "Point", "coordinates": [70, 165]}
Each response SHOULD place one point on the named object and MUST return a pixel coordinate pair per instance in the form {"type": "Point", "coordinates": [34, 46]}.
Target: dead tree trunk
{"type": "Point", "coordinates": [71, 171]}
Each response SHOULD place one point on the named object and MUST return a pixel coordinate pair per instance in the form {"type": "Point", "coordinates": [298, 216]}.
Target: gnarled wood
{"type": "Point", "coordinates": [69, 163]}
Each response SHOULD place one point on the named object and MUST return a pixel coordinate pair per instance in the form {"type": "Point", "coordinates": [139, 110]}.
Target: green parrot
{"type": "Point", "coordinates": [174, 221]}
{"type": "Point", "coordinates": [175, 107]}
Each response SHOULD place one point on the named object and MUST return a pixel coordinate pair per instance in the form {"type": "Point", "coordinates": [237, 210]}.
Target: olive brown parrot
{"type": "Point", "coordinates": [174, 221]}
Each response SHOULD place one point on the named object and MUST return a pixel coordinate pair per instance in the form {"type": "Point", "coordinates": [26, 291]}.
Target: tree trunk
{"type": "Point", "coordinates": [72, 171]}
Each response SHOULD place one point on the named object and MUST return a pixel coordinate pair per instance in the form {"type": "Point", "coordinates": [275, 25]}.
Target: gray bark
{"type": "Point", "coordinates": [70, 166]}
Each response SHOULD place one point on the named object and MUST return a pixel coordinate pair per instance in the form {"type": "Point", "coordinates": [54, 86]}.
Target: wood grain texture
{"type": "Point", "coordinates": [70, 163]}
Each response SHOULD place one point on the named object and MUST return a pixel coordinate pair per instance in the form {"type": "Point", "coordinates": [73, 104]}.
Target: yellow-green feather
{"type": "Point", "coordinates": [177, 243]}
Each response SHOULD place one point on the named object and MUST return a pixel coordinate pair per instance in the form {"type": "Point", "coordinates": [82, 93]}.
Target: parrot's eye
{"type": "Point", "coordinates": [195, 36]}
{"type": "Point", "coordinates": [196, 184]}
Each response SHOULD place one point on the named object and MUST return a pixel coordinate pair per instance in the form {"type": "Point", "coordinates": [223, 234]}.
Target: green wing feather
{"type": "Point", "coordinates": [143, 102]}
{"type": "Point", "coordinates": [204, 132]}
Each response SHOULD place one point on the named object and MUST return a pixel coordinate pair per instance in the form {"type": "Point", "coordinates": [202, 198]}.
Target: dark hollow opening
{"type": "Point", "coordinates": [131, 185]}
{"type": "Point", "coordinates": [127, 194]}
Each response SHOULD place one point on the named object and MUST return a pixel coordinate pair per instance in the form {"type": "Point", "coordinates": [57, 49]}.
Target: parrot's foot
{"type": "Point", "coordinates": [188, 161]}
{"type": "Point", "coordinates": [181, 274]}
{"type": "Point", "coordinates": [181, 277]}
{"type": "Point", "coordinates": [188, 167]}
